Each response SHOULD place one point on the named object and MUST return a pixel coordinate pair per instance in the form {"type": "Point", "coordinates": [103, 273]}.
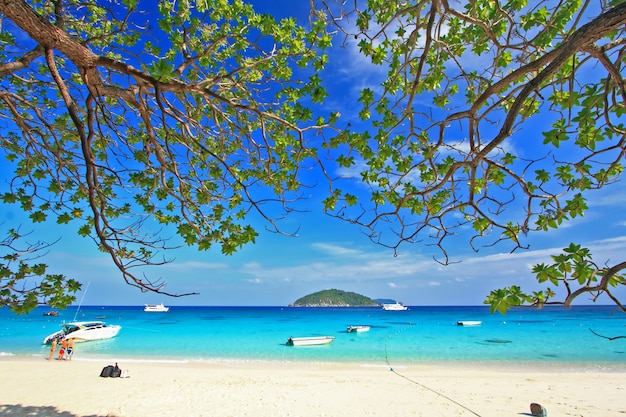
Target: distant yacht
{"type": "Point", "coordinates": [395, 307]}
{"type": "Point", "coordinates": [156, 308]}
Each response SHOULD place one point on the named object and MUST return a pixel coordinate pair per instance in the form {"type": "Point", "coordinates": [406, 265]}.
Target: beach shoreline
{"type": "Point", "coordinates": [494, 365]}
{"type": "Point", "coordinates": [35, 386]}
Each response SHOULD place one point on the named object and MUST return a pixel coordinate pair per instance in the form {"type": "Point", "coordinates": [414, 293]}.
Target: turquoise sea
{"type": "Point", "coordinates": [422, 334]}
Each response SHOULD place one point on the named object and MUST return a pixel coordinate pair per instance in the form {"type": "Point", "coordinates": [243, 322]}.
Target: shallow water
{"type": "Point", "coordinates": [422, 334]}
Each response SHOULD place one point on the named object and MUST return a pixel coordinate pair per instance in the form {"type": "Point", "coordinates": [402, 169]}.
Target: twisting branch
{"type": "Point", "coordinates": [602, 287]}
{"type": "Point", "coordinates": [493, 69]}
{"type": "Point", "coordinates": [200, 148]}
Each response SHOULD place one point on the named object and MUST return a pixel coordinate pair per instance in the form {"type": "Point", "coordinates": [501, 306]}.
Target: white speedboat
{"type": "Point", "coordinates": [358, 329]}
{"type": "Point", "coordinates": [84, 330]}
{"type": "Point", "coordinates": [469, 323]}
{"type": "Point", "coordinates": [156, 308]}
{"type": "Point", "coordinates": [395, 307]}
{"type": "Point", "coordinates": [309, 341]}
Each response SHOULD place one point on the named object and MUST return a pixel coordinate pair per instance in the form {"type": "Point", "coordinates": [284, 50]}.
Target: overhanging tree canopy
{"type": "Point", "coordinates": [494, 117]}
{"type": "Point", "coordinates": [187, 115]}
{"type": "Point", "coordinates": [494, 120]}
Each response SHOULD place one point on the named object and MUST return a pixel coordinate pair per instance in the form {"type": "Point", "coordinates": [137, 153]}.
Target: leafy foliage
{"type": "Point", "coordinates": [494, 120]}
{"type": "Point", "coordinates": [184, 116]}
{"type": "Point", "coordinates": [24, 284]}
{"type": "Point", "coordinates": [575, 270]}
{"type": "Point", "coordinates": [435, 171]}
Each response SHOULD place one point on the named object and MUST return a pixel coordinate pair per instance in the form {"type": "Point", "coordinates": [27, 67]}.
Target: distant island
{"type": "Point", "coordinates": [334, 298]}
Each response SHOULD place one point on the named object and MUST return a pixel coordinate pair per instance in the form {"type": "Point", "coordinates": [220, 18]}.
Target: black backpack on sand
{"type": "Point", "coordinates": [116, 372]}
{"type": "Point", "coordinates": [111, 371]}
{"type": "Point", "coordinates": [107, 371]}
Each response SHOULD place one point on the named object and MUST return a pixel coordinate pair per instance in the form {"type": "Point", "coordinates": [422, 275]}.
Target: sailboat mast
{"type": "Point", "coordinates": [81, 301]}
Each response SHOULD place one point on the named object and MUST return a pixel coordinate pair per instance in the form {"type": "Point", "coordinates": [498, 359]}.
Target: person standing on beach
{"type": "Point", "coordinates": [70, 349]}
{"type": "Point", "coordinates": [53, 348]}
{"type": "Point", "coordinates": [63, 349]}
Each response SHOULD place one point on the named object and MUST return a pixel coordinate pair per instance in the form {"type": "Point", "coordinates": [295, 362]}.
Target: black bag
{"type": "Point", "coordinates": [111, 371]}
{"type": "Point", "coordinates": [107, 371]}
{"type": "Point", "coordinates": [116, 372]}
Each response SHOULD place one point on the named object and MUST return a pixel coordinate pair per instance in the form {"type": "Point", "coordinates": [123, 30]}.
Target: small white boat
{"type": "Point", "coordinates": [84, 330]}
{"type": "Point", "coordinates": [156, 308]}
{"type": "Point", "coordinates": [469, 323]}
{"type": "Point", "coordinates": [309, 341]}
{"type": "Point", "coordinates": [358, 329]}
{"type": "Point", "coordinates": [395, 307]}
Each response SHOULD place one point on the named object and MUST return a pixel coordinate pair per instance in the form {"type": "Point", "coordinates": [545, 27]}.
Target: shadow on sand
{"type": "Point", "coordinates": [18, 410]}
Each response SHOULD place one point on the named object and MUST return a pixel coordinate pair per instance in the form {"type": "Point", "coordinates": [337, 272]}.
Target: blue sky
{"type": "Point", "coordinates": [329, 253]}
{"type": "Point", "coordinates": [279, 269]}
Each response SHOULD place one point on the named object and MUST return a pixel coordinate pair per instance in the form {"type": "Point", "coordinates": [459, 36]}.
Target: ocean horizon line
{"type": "Point", "coordinates": [337, 306]}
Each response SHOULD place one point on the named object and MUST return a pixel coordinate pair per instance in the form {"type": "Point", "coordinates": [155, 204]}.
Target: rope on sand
{"type": "Point", "coordinates": [426, 387]}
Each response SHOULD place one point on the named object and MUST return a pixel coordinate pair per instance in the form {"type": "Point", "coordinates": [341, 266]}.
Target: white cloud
{"type": "Point", "coordinates": [196, 265]}
{"type": "Point", "coordinates": [334, 249]}
{"type": "Point", "coordinates": [609, 196]}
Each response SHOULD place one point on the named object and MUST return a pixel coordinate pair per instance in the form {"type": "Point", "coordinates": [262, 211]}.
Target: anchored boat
{"type": "Point", "coordinates": [358, 329]}
{"type": "Point", "coordinates": [309, 341]}
{"type": "Point", "coordinates": [83, 331]}
{"type": "Point", "coordinates": [156, 308]}
{"type": "Point", "coordinates": [469, 323]}
{"type": "Point", "coordinates": [395, 307]}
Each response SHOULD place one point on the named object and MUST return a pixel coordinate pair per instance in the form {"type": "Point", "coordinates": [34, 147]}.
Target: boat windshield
{"type": "Point", "coordinates": [72, 327]}
{"type": "Point", "coordinates": [69, 328]}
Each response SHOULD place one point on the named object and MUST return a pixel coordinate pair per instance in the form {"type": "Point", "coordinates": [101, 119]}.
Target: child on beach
{"type": "Point", "coordinates": [63, 349]}
{"type": "Point", "coordinates": [53, 348]}
{"type": "Point", "coordinates": [70, 349]}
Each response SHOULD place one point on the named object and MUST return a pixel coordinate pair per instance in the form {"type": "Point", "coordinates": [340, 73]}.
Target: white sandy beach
{"type": "Point", "coordinates": [36, 387]}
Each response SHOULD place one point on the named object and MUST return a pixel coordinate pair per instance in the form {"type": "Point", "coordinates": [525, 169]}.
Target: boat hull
{"type": "Point", "coordinates": [84, 331]}
{"type": "Point", "coordinates": [309, 341]}
{"type": "Point", "coordinates": [156, 308]}
{"type": "Point", "coordinates": [469, 323]}
{"type": "Point", "coordinates": [358, 329]}
{"type": "Point", "coordinates": [395, 307]}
